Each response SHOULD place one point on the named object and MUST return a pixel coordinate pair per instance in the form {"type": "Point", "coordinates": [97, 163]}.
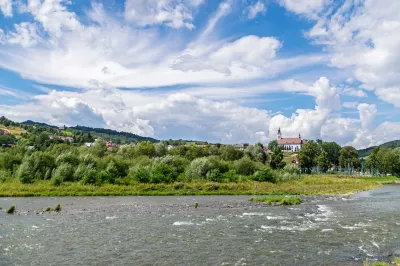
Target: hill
{"type": "Point", "coordinates": [117, 136]}
{"type": "Point", "coordinates": [391, 145]}
{"type": "Point", "coordinates": [33, 123]}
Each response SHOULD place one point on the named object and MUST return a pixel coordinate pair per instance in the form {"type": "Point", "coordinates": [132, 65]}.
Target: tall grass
{"type": "Point", "coordinates": [278, 200]}
{"type": "Point", "coordinates": [307, 185]}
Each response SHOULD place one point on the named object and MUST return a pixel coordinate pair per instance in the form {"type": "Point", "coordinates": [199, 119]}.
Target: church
{"type": "Point", "coordinates": [290, 144]}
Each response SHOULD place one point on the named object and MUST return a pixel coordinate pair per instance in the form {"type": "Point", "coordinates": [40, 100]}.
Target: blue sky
{"type": "Point", "coordinates": [225, 71]}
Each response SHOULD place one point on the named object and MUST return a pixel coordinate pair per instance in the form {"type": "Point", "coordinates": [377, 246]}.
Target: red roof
{"type": "Point", "coordinates": [284, 141]}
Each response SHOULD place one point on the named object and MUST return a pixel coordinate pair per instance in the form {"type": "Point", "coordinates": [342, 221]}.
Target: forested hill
{"type": "Point", "coordinates": [37, 127]}
{"type": "Point", "coordinates": [391, 145]}
{"type": "Point", "coordinates": [33, 123]}
{"type": "Point", "coordinates": [109, 133]}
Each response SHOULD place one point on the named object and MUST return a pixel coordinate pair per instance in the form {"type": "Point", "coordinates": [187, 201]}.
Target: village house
{"type": "Point", "coordinates": [290, 144]}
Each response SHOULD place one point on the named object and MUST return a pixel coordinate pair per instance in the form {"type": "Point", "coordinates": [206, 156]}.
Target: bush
{"type": "Point", "coordinates": [214, 175]}
{"type": "Point", "coordinates": [245, 166]}
{"type": "Point", "coordinates": [265, 174]}
{"type": "Point", "coordinates": [64, 172]}
{"type": "Point", "coordinates": [162, 173]}
{"type": "Point", "coordinates": [140, 174]}
{"type": "Point", "coordinates": [198, 169]}
{"type": "Point", "coordinates": [89, 176]}
{"type": "Point", "coordinates": [69, 158]}
{"type": "Point", "coordinates": [292, 169]}
{"type": "Point", "coordinates": [230, 176]}
{"type": "Point", "coordinates": [48, 209]}
{"type": "Point", "coordinates": [57, 208]}
{"type": "Point", "coordinates": [25, 173]}
{"type": "Point", "coordinates": [11, 209]}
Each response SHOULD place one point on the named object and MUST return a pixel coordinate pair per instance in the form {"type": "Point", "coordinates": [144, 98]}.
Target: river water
{"type": "Point", "coordinates": [223, 230]}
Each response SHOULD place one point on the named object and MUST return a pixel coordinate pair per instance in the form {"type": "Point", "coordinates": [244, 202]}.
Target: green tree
{"type": "Point", "coordinates": [257, 153]}
{"type": "Point", "coordinates": [332, 149]}
{"type": "Point", "coordinates": [323, 162]}
{"type": "Point", "coordinates": [348, 157]}
{"type": "Point", "coordinates": [145, 148]}
{"type": "Point", "coordinates": [230, 153]}
{"type": "Point", "coordinates": [244, 166]}
{"type": "Point", "coordinates": [372, 163]}
{"type": "Point", "coordinates": [272, 145]}
{"type": "Point", "coordinates": [277, 159]}
{"type": "Point", "coordinates": [160, 149]}
{"type": "Point", "coordinates": [309, 154]}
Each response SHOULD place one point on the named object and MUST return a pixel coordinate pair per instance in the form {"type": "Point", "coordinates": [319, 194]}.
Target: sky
{"type": "Point", "coordinates": [230, 71]}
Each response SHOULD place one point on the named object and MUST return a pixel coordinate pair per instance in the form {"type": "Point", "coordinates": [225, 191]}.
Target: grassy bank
{"type": "Point", "coordinates": [382, 180]}
{"type": "Point", "coordinates": [308, 185]}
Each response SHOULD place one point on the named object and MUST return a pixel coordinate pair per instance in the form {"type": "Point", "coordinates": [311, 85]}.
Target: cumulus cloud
{"type": "Point", "coordinates": [350, 105]}
{"type": "Point", "coordinates": [309, 8]}
{"type": "Point", "coordinates": [255, 9]}
{"type": "Point", "coordinates": [249, 52]}
{"type": "Point", "coordinates": [354, 92]}
{"type": "Point", "coordinates": [367, 114]}
{"type": "Point", "coordinates": [6, 8]}
{"type": "Point", "coordinates": [359, 36]}
{"type": "Point", "coordinates": [390, 95]}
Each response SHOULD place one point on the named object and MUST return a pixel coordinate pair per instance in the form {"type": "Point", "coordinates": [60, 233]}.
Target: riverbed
{"type": "Point", "coordinates": [223, 230]}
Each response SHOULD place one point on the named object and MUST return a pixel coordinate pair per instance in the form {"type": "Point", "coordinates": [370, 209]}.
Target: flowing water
{"type": "Point", "coordinates": [223, 230]}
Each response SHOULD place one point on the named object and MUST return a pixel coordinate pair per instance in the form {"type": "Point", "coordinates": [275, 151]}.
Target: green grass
{"type": "Point", "coordinates": [11, 209]}
{"type": "Point", "coordinates": [307, 185]}
{"type": "Point", "coordinates": [383, 180]}
{"type": "Point", "coordinates": [278, 200]}
{"type": "Point", "coordinates": [57, 208]}
{"type": "Point", "coordinates": [396, 262]}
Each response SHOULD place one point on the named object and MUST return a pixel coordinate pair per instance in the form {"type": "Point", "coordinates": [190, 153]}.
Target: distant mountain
{"type": "Point", "coordinates": [125, 137]}
{"type": "Point", "coordinates": [33, 123]}
{"type": "Point", "coordinates": [391, 145]}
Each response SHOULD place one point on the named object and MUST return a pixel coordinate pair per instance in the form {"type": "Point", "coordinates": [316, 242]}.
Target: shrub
{"type": "Point", "coordinates": [292, 169]}
{"type": "Point", "coordinates": [57, 208]}
{"type": "Point", "coordinates": [162, 173]}
{"type": "Point", "coordinates": [214, 175]}
{"type": "Point", "coordinates": [245, 166]}
{"type": "Point", "coordinates": [64, 172]}
{"type": "Point", "coordinates": [285, 176]}
{"type": "Point", "coordinates": [140, 174]}
{"type": "Point", "coordinates": [67, 157]}
{"type": "Point", "coordinates": [11, 209]}
{"type": "Point", "coordinates": [217, 163]}
{"type": "Point", "coordinates": [230, 176]}
{"type": "Point", "coordinates": [25, 173]}
{"type": "Point", "coordinates": [89, 176]}
{"type": "Point", "coordinates": [48, 209]}
{"type": "Point", "coordinates": [265, 174]}
{"type": "Point", "coordinates": [198, 169]}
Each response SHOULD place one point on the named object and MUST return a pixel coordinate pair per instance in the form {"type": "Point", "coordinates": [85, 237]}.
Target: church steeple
{"type": "Point", "coordinates": [299, 136]}
{"type": "Point", "coordinates": [279, 134]}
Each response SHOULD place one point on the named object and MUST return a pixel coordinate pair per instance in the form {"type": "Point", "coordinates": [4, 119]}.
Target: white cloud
{"type": "Point", "coordinates": [53, 16]}
{"type": "Point", "coordinates": [223, 9]}
{"type": "Point", "coordinates": [254, 10]}
{"type": "Point", "coordinates": [173, 13]}
{"type": "Point", "coordinates": [249, 53]}
{"type": "Point", "coordinates": [350, 105]}
{"type": "Point", "coordinates": [6, 8]}
{"type": "Point", "coordinates": [385, 132]}
{"type": "Point", "coordinates": [25, 34]}
{"type": "Point", "coordinates": [354, 92]}
{"type": "Point", "coordinates": [360, 36]}
{"type": "Point", "coordinates": [310, 8]}
{"type": "Point", "coordinates": [390, 95]}
{"type": "Point", "coordinates": [367, 114]}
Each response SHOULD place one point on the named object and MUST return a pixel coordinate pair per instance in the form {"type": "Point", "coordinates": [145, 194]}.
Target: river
{"type": "Point", "coordinates": [223, 230]}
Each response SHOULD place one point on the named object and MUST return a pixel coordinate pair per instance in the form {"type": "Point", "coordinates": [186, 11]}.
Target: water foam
{"type": "Point", "coordinates": [182, 223]}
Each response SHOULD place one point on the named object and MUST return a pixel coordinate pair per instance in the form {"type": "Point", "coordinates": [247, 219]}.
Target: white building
{"type": "Point", "coordinates": [290, 144]}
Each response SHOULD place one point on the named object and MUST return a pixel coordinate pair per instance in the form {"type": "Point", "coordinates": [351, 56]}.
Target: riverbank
{"type": "Point", "coordinates": [307, 185]}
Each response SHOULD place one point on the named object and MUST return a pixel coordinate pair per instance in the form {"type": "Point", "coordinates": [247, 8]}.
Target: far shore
{"type": "Point", "coordinates": [307, 185]}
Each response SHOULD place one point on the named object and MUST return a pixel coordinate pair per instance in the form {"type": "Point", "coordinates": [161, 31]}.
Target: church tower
{"type": "Point", "coordinates": [279, 134]}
